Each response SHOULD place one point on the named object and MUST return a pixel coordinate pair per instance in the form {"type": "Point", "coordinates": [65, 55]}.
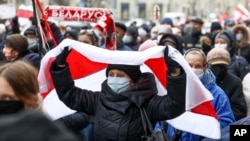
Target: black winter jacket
{"type": "Point", "coordinates": [117, 117]}
{"type": "Point", "coordinates": [232, 86]}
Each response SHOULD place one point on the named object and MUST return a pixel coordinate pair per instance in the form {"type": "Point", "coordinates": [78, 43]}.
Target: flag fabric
{"type": "Point", "coordinates": [240, 13]}
{"type": "Point", "coordinates": [25, 11]}
{"type": "Point", "coordinates": [88, 71]}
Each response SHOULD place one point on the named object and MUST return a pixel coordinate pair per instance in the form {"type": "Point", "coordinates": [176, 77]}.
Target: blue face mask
{"type": "Point", "coordinates": [118, 84]}
{"type": "Point", "coordinates": [126, 39]}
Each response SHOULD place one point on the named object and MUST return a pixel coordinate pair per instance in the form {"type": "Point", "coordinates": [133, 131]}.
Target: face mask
{"type": "Point", "coordinates": [224, 46]}
{"type": "Point", "coordinates": [199, 72]}
{"type": "Point", "coordinates": [218, 69]}
{"type": "Point", "coordinates": [9, 107]}
{"type": "Point", "coordinates": [206, 48]}
{"type": "Point", "coordinates": [118, 84]}
{"type": "Point", "coordinates": [126, 39]}
{"type": "Point", "coordinates": [32, 42]}
{"type": "Point", "coordinates": [159, 38]}
{"type": "Point", "coordinates": [239, 36]}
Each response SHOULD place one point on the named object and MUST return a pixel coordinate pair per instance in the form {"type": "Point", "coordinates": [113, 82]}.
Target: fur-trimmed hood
{"type": "Point", "coordinates": [244, 41]}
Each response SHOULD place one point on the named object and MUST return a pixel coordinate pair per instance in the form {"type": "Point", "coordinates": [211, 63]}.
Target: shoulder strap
{"type": "Point", "coordinates": [145, 121]}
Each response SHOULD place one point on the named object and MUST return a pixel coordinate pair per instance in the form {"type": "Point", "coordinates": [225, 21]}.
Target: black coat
{"type": "Point", "coordinates": [232, 86]}
{"type": "Point", "coordinates": [117, 117]}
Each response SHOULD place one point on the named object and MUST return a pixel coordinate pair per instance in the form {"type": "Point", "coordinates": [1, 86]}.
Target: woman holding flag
{"type": "Point", "coordinates": [117, 106]}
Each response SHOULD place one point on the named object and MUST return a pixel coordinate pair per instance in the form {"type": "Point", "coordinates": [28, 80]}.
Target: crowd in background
{"type": "Point", "coordinates": [220, 58]}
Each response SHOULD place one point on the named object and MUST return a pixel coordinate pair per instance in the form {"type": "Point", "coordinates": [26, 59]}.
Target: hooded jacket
{"type": "Point", "coordinates": [238, 65]}
{"type": "Point", "coordinates": [117, 116]}
{"type": "Point", "coordinates": [242, 46]}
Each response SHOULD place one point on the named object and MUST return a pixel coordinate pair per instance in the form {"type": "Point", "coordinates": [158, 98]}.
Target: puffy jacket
{"type": "Point", "coordinates": [117, 117]}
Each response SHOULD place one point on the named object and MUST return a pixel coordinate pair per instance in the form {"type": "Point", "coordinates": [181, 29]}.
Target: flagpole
{"type": "Point", "coordinates": [38, 32]}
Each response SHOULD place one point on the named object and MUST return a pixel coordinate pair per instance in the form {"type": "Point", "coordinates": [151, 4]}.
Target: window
{"type": "Point", "coordinates": [142, 10]}
{"type": "Point", "coordinates": [124, 11]}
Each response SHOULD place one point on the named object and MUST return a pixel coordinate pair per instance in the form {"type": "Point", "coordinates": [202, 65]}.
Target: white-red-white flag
{"type": "Point", "coordinates": [88, 65]}
{"type": "Point", "coordinates": [240, 13]}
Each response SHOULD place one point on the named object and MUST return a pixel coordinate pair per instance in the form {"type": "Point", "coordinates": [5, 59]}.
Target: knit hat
{"type": "Point", "coordinates": [30, 30]}
{"type": "Point", "coordinates": [133, 32]}
{"type": "Point", "coordinates": [218, 56]}
{"type": "Point", "coordinates": [167, 21]}
{"type": "Point", "coordinates": [121, 25]}
{"type": "Point", "coordinates": [215, 26]}
{"type": "Point", "coordinates": [223, 36]}
{"type": "Point", "coordinates": [17, 42]}
{"type": "Point", "coordinates": [133, 71]}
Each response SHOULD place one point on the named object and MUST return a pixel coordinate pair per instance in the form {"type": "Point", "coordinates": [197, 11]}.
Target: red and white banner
{"type": "Point", "coordinates": [25, 11]}
{"type": "Point", "coordinates": [240, 13]}
{"type": "Point", "coordinates": [200, 117]}
{"type": "Point", "coordinates": [102, 18]}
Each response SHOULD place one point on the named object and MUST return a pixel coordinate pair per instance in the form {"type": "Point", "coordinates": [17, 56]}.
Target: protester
{"type": "Point", "coordinates": [88, 37]}
{"type": "Point", "coordinates": [172, 40]}
{"type": "Point", "coordinates": [192, 39]}
{"type": "Point", "coordinates": [162, 30]}
{"type": "Point", "coordinates": [29, 125]}
{"type": "Point", "coordinates": [238, 65]}
{"type": "Point", "coordinates": [120, 32]}
{"type": "Point", "coordinates": [130, 38]}
{"type": "Point", "coordinates": [16, 47]}
{"type": "Point", "coordinates": [242, 47]}
{"type": "Point", "coordinates": [206, 43]}
{"type": "Point", "coordinates": [197, 61]}
{"type": "Point", "coordinates": [18, 87]}
{"type": "Point", "coordinates": [218, 60]}
{"type": "Point", "coordinates": [124, 91]}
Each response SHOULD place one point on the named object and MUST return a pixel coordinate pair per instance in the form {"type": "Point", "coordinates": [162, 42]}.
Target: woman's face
{"type": "Point", "coordinates": [6, 91]}
{"type": "Point", "coordinates": [9, 53]}
{"type": "Point", "coordinates": [85, 39]}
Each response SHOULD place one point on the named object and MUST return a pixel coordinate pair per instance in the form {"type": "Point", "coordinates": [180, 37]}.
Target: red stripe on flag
{"type": "Point", "coordinates": [81, 66]}
{"type": "Point", "coordinates": [159, 68]}
{"type": "Point", "coordinates": [205, 108]}
{"type": "Point", "coordinates": [24, 13]}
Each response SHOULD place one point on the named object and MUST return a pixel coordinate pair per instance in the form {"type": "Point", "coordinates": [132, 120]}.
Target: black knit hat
{"type": "Point", "coordinates": [133, 71]}
{"type": "Point", "coordinates": [30, 30]}
{"type": "Point", "coordinates": [17, 42]}
{"type": "Point", "coordinates": [121, 25]}
{"type": "Point", "coordinates": [215, 26]}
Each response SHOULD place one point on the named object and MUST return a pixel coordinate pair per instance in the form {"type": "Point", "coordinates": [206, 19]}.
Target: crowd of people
{"type": "Point", "coordinates": [219, 58]}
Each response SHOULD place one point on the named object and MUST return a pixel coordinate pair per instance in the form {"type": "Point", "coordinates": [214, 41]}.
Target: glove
{"type": "Point", "coordinates": [172, 65]}
{"type": "Point", "coordinates": [61, 58]}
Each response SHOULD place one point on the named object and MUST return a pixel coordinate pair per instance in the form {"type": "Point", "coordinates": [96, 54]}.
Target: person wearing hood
{"type": "Point", "coordinates": [172, 40]}
{"type": "Point", "coordinates": [242, 47]}
{"type": "Point", "coordinates": [197, 61]}
{"type": "Point", "coordinates": [238, 65]}
{"type": "Point", "coordinates": [192, 38]}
